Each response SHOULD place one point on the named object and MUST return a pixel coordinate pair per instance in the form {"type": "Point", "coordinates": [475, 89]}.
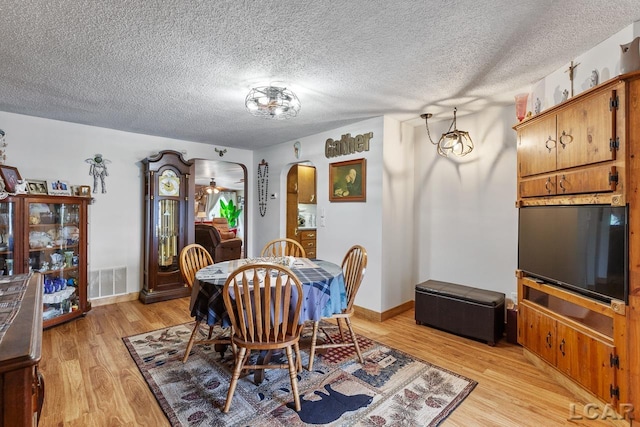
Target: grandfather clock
{"type": "Point", "coordinates": [169, 218]}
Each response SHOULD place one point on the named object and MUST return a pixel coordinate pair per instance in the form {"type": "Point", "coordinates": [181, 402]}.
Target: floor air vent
{"type": "Point", "coordinates": [108, 281]}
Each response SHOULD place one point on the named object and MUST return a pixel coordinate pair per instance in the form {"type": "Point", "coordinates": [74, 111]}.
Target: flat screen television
{"type": "Point", "coordinates": [582, 248]}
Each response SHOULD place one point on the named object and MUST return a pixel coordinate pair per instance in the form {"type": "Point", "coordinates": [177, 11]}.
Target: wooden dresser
{"type": "Point", "coordinates": [21, 385]}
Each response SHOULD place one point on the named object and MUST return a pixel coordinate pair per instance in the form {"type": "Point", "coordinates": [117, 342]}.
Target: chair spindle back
{"type": "Point", "coordinates": [270, 314]}
{"type": "Point", "coordinates": [192, 258]}
{"type": "Point", "coordinates": [283, 247]}
{"type": "Point", "coordinates": [354, 265]}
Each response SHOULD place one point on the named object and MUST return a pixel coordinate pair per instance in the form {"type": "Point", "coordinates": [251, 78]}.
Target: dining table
{"type": "Point", "coordinates": [323, 289]}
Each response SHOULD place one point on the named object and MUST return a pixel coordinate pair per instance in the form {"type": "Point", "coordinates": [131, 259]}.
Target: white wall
{"type": "Point", "coordinates": [399, 263]}
{"type": "Point", "coordinates": [467, 227]}
{"type": "Point", "coordinates": [49, 149]}
{"type": "Point", "coordinates": [345, 223]}
{"type": "Point", "coordinates": [604, 58]}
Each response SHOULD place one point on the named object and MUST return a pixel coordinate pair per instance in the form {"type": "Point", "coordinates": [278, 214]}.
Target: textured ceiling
{"type": "Point", "coordinates": [182, 68]}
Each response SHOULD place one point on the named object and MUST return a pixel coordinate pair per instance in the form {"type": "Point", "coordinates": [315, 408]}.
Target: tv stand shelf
{"type": "Point", "coordinates": [594, 315]}
{"type": "Point", "coordinates": [576, 335]}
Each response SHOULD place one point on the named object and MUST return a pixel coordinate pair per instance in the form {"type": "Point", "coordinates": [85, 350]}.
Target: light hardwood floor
{"type": "Point", "coordinates": [92, 381]}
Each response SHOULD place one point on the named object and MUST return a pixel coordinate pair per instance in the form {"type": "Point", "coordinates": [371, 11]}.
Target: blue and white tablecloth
{"type": "Point", "coordinates": [322, 285]}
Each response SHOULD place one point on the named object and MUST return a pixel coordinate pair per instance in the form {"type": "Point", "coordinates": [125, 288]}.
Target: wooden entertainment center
{"type": "Point", "coordinates": [585, 150]}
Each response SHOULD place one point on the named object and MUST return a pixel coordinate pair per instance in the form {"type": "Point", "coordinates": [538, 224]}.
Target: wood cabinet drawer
{"type": "Point", "coordinates": [591, 180]}
{"type": "Point", "coordinates": [308, 234]}
{"type": "Point", "coordinates": [308, 244]}
{"type": "Point", "coordinates": [596, 179]}
{"type": "Point", "coordinates": [538, 187]}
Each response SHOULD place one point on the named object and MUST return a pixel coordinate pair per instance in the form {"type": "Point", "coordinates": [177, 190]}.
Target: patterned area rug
{"type": "Point", "coordinates": [391, 389]}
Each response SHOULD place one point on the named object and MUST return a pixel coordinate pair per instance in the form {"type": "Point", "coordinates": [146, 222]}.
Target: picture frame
{"type": "Point", "coordinates": [348, 181]}
{"type": "Point", "coordinates": [35, 186]}
{"type": "Point", "coordinates": [85, 191]}
{"type": "Point", "coordinates": [59, 188]}
{"type": "Point", "coordinates": [10, 176]}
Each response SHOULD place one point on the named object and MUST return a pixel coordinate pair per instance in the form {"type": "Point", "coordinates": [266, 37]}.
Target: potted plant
{"type": "Point", "coordinates": [230, 212]}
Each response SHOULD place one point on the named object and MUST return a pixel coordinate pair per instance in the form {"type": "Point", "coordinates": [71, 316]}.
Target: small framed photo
{"type": "Point", "coordinates": [37, 187]}
{"type": "Point", "coordinates": [85, 191]}
{"type": "Point", "coordinates": [10, 176]}
{"type": "Point", "coordinates": [59, 188]}
{"type": "Point", "coordinates": [348, 181]}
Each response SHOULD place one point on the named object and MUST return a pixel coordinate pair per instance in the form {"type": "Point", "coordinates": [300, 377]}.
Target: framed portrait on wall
{"type": "Point", "coordinates": [348, 181]}
{"type": "Point", "coordinates": [10, 176]}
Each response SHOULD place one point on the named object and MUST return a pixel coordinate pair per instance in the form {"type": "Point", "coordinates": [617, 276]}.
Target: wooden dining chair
{"type": "Point", "coordinates": [264, 320]}
{"type": "Point", "coordinates": [354, 265]}
{"type": "Point", "coordinates": [193, 258]}
{"type": "Point", "coordinates": [283, 247]}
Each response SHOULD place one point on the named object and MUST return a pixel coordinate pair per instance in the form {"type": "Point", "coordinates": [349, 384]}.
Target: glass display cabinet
{"type": "Point", "coordinates": [48, 234]}
{"type": "Point", "coordinates": [8, 224]}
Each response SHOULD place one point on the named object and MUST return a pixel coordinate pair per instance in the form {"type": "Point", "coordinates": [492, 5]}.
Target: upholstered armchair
{"type": "Point", "coordinates": [219, 240]}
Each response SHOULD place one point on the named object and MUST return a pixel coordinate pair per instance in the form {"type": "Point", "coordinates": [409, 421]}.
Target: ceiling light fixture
{"type": "Point", "coordinates": [456, 142]}
{"type": "Point", "coordinates": [212, 188]}
{"type": "Point", "coordinates": [272, 102]}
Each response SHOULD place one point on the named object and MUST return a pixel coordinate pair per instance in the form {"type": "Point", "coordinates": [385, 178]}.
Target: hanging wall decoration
{"type": "Point", "coordinates": [3, 148]}
{"type": "Point", "coordinates": [263, 186]}
{"type": "Point", "coordinates": [98, 170]}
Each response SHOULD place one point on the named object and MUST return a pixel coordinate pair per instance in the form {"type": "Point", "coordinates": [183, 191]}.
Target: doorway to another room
{"type": "Point", "coordinates": [220, 192]}
{"type": "Point", "coordinates": [301, 206]}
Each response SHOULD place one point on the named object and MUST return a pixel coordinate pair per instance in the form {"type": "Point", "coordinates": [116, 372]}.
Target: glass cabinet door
{"type": "Point", "coordinates": [54, 237]}
{"type": "Point", "coordinates": [7, 230]}
{"type": "Point", "coordinates": [168, 233]}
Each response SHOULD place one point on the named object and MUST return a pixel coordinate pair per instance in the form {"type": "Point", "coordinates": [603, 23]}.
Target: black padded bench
{"type": "Point", "coordinates": [461, 310]}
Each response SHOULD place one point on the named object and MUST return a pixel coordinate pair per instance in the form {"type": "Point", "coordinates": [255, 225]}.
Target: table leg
{"type": "Point", "coordinates": [263, 359]}
{"type": "Point", "coordinates": [220, 348]}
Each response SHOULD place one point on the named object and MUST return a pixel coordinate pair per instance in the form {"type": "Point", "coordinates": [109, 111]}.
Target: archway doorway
{"type": "Point", "coordinates": [219, 184]}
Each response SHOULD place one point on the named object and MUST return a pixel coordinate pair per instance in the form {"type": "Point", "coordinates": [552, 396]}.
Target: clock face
{"type": "Point", "coordinates": [169, 184]}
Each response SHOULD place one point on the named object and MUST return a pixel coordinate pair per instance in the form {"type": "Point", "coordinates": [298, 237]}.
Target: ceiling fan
{"type": "Point", "coordinates": [212, 187]}
{"type": "Point", "coordinates": [208, 189]}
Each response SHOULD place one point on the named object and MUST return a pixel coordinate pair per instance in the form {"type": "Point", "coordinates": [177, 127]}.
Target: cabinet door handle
{"type": "Point", "coordinates": [562, 137]}
{"type": "Point", "coordinates": [548, 186]}
{"type": "Point", "coordinates": [548, 339]}
{"type": "Point", "coordinates": [313, 196]}
{"type": "Point", "coordinates": [546, 144]}
{"type": "Point", "coordinates": [295, 187]}
{"type": "Point", "coordinates": [562, 343]}
{"type": "Point", "coordinates": [562, 180]}
{"type": "Point", "coordinates": [295, 233]}
{"type": "Point", "coordinates": [310, 235]}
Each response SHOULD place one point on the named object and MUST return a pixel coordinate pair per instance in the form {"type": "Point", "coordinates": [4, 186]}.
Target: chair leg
{"type": "Point", "coordinates": [210, 332]}
{"type": "Point", "coordinates": [355, 340]}
{"type": "Point", "coordinates": [294, 379]}
{"type": "Point", "coordinates": [191, 341]}
{"type": "Point", "coordinates": [296, 348]}
{"type": "Point", "coordinates": [234, 349]}
{"type": "Point", "coordinates": [312, 351]}
{"type": "Point", "coordinates": [338, 320]}
{"type": "Point", "coordinates": [234, 378]}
